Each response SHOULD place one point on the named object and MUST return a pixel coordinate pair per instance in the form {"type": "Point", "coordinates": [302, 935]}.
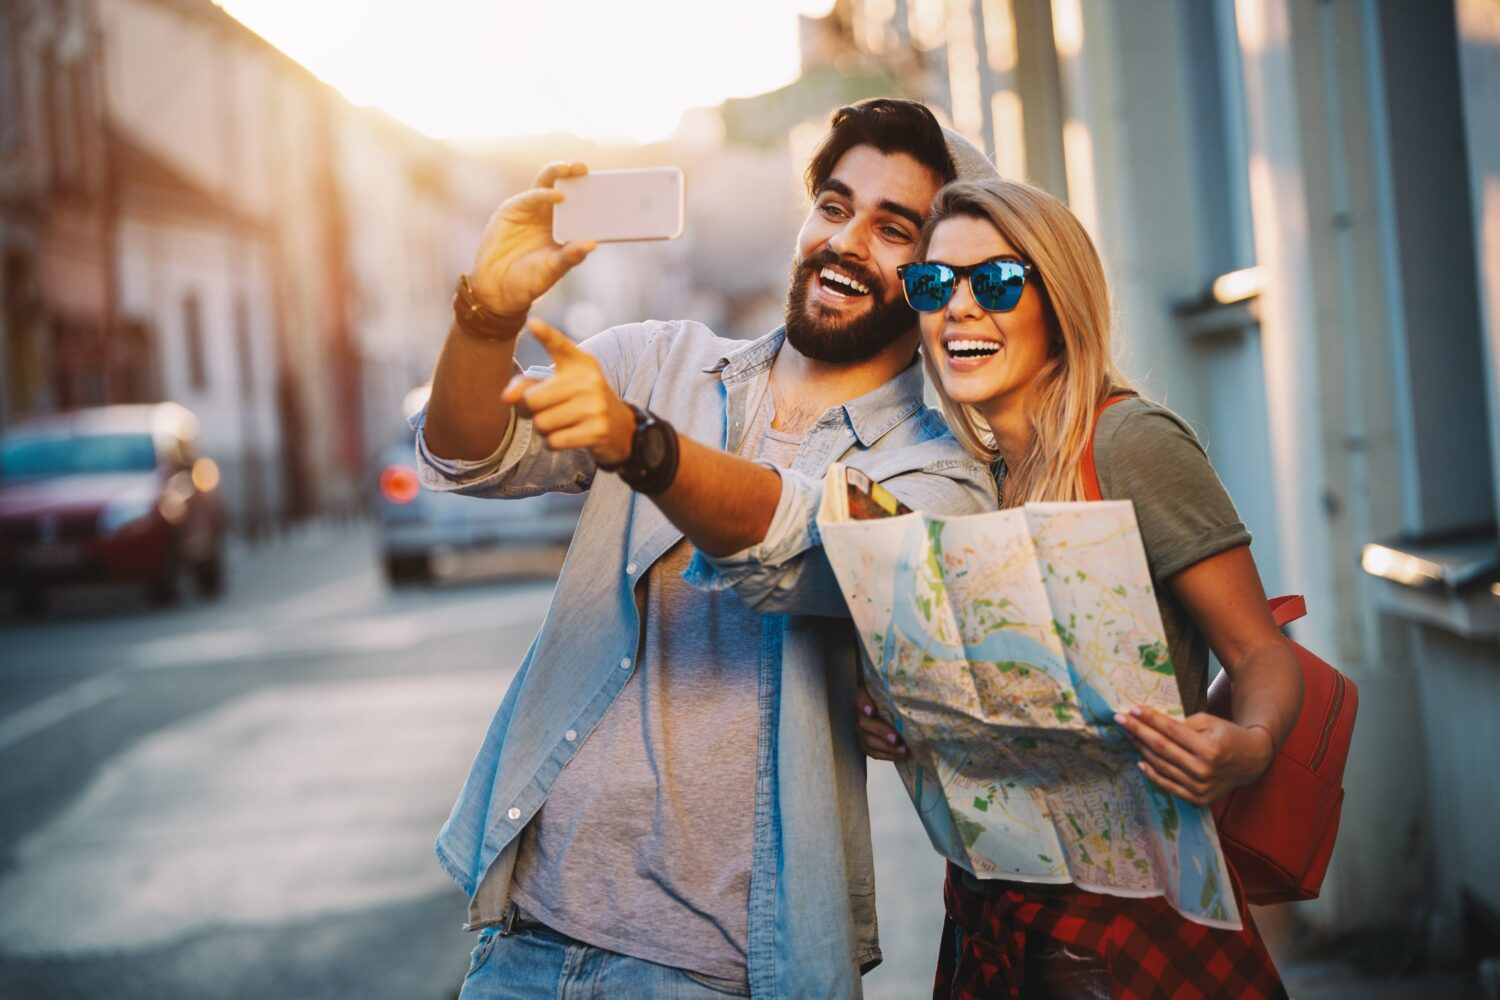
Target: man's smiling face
{"type": "Point", "coordinates": [845, 302]}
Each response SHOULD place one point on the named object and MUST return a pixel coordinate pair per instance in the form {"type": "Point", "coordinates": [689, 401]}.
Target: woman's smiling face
{"type": "Point", "coordinates": [983, 358]}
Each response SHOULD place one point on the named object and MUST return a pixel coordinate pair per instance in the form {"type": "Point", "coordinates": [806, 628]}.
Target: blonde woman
{"type": "Point", "coordinates": [1015, 318]}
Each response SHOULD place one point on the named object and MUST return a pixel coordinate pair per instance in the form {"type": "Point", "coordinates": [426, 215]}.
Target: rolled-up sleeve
{"type": "Point", "coordinates": [787, 571]}
{"type": "Point", "coordinates": [522, 465]}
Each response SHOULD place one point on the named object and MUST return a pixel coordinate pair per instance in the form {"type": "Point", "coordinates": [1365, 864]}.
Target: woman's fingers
{"type": "Point", "coordinates": [1176, 788]}
{"type": "Point", "coordinates": [1168, 770]}
{"type": "Point", "coordinates": [876, 736]}
{"type": "Point", "coordinates": [1169, 738]}
{"type": "Point", "coordinates": [878, 731]}
{"type": "Point", "coordinates": [875, 746]}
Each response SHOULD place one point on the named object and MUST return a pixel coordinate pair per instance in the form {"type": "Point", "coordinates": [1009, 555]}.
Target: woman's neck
{"type": "Point", "coordinates": [1011, 426]}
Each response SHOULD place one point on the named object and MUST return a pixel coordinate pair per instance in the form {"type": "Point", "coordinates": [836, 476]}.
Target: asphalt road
{"type": "Point", "coordinates": [237, 798]}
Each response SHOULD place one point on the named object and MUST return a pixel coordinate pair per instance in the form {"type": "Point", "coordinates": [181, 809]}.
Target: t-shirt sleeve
{"type": "Point", "coordinates": [1148, 455]}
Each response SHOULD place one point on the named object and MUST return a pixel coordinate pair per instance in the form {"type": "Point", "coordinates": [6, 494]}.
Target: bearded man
{"type": "Point", "coordinates": [671, 798]}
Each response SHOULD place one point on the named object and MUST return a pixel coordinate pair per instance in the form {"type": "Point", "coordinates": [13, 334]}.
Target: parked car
{"type": "Point", "coordinates": [111, 494]}
{"type": "Point", "coordinates": [422, 533]}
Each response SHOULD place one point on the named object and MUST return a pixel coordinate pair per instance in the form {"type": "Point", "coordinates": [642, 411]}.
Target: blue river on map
{"type": "Point", "coordinates": [1194, 849]}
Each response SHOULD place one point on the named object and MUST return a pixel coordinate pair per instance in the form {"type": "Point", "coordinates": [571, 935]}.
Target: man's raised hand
{"type": "Point", "coordinates": [575, 407]}
{"type": "Point", "coordinates": [517, 258]}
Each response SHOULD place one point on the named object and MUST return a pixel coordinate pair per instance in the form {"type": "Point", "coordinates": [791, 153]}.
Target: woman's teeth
{"type": "Point", "coordinates": [971, 348]}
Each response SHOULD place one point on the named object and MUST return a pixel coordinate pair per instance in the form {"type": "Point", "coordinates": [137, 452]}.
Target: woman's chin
{"type": "Point", "coordinates": [967, 390]}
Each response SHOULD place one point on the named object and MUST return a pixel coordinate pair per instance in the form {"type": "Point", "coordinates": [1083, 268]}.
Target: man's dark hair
{"type": "Point", "coordinates": [889, 124]}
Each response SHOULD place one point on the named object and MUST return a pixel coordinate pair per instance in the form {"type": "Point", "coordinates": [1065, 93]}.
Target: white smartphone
{"type": "Point", "coordinates": [618, 205]}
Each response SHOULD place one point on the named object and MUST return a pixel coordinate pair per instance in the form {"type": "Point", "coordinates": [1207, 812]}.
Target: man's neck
{"type": "Point", "coordinates": [803, 388]}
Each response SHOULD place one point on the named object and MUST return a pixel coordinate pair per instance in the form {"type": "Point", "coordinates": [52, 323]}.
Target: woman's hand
{"type": "Point", "coordinates": [1201, 758]}
{"type": "Point", "coordinates": [517, 258]}
{"type": "Point", "coordinates": [876, 737]}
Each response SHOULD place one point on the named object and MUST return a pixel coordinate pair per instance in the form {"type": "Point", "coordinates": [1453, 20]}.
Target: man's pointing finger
{"type": "Point", "coordinates": [557, 343]}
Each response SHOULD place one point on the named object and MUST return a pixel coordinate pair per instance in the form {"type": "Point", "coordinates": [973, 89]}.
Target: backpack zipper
{"type": "Point", "coordinates": [1333, 715]}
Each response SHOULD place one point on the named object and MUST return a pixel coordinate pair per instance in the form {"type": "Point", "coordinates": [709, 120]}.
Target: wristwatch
{"type": "Point", "coordinates": [652, 464]}
{"type": "Point", "coordinates": [479, 320]}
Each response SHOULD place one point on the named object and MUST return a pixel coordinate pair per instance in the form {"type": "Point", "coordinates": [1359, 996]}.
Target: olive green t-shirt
{"type": "Point", "coordinates": [1147, 454]}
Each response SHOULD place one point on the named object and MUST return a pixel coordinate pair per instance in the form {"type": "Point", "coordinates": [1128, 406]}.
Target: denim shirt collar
{"type": "Point", "coordinates": [870, 416]}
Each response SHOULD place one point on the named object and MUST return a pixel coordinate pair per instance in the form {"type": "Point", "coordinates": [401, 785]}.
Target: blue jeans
{"type": "Point", "coordinates": [533, 962]}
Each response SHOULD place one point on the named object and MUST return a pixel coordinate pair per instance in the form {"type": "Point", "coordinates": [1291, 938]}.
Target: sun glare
{"type": "Point", "coordinates": [469, 69]}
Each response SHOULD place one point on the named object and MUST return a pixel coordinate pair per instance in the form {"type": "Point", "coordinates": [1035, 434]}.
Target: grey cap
{"type": "Point", "coordinates": [968, 159]}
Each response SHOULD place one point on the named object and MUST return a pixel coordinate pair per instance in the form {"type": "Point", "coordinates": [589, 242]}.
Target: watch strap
{"type": "Point", "coordinates": [652, 465]}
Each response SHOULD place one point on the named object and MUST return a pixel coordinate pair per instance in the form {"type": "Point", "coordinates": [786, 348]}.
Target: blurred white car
{"type": "Point", "coordinates": [426, 535]}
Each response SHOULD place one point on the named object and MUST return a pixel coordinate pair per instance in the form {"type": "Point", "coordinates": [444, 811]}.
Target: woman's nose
{"type": "Point", "coordinates": [962, 305]}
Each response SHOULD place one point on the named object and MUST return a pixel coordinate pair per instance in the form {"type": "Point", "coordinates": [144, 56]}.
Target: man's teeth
{"type": "Point", "coordinates": [971, 348]}
{"type": "Point", "coordinates": [829, 274]}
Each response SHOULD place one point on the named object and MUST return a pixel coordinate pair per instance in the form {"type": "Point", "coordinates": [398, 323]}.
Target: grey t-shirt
{"type": "Point", "coordinates": [1147, 454]}
{"type": "Point", "coordinates": [643, 845]}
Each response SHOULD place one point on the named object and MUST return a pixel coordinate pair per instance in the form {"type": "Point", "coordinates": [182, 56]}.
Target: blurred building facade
{"type": "Point", "coordinates": [1299, 206]}
{"type": "Point", "coordinates": [187, 214]}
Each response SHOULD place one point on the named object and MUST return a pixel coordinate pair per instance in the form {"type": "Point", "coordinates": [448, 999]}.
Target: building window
{"type": "Point", "coordinates": [242, 347]}
{"type": "Point", "coordinates": [62, 128]}
{"type": "Point", "coordinates": [192, 335]}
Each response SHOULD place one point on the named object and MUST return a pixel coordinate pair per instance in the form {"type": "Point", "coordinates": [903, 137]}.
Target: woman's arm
{"type": "Point", "coordinates": [1202, 758]}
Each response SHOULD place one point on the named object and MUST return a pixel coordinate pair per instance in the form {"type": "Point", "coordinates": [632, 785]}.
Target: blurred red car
{"type": "Point", "coordinates": [113, 494]}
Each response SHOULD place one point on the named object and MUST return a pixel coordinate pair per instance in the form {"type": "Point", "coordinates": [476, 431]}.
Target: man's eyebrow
{"type": "Point", "coordinates": [892, 207]}
{"type": "Point", "coordinates": [896, 208]}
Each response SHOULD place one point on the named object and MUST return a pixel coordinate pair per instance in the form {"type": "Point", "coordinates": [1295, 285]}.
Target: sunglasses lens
{"type": "Point", "coordinates": [928, 286]}
{"type": "Point", "coordinates": [997, 285]}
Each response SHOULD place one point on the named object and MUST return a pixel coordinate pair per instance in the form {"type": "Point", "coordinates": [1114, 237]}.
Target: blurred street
{"type": "Point", "coordinates": [238, 798]}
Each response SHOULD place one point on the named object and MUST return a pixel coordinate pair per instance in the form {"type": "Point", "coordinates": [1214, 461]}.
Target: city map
{"type": "Point", "coordinates": [1000, 646]}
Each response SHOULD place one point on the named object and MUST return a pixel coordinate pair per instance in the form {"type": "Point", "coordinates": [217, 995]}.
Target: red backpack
{"type": "Point", "coordinates": [1278, 832]}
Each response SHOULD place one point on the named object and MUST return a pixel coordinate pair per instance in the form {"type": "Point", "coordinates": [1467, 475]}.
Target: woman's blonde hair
{"type": "Point", "coordinates": [1080, 372]}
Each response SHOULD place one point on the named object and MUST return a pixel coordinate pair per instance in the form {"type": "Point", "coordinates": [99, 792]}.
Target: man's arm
{"type": "Point", "coordinates": [517, 261]}
{"type": "Point", "coordinates": [721, 502]}
{"type": "Point", "coordinates": [754, 526]}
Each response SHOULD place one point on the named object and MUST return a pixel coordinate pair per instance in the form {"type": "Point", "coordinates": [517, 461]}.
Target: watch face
{"type": "Point", "coordinates": [653, 447]}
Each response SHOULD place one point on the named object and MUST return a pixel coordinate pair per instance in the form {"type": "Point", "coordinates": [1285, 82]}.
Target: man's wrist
{"type": "Point", "coordinates": [475, 319]}
{"type": "Point", "coordinates": [652, 464]}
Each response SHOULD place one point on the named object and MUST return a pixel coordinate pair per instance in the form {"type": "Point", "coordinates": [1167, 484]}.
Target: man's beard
{"type": "Point", "coordinates": [843, 341]}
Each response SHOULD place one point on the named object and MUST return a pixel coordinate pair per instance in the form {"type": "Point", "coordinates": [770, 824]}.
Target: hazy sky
{"type": "Point", "coordinates": [473, 69]}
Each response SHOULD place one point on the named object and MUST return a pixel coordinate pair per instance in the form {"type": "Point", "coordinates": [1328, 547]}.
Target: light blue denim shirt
{"type": "Point", "coordinates": [812, 887]}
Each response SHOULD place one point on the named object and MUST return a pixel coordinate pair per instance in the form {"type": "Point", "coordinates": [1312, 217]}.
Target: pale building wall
{"type": "Point", "coordinates": [1322, 402]}
{"type": "Point", "coordinates": [162, 264]}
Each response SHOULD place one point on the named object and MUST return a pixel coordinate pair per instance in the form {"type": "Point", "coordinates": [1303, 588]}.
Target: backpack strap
{"type": "Point", "coordinates": [1086, 467]}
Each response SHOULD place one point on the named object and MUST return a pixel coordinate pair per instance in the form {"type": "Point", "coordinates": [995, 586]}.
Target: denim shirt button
{"type": "Point", "coordinates": [630, 569]}
{"type": "Point", "coordinates": [513, 813]}
{"type": "Point", "coordinates": [570, 735]}
{"type": "Point", "coordinates": [625, 663]}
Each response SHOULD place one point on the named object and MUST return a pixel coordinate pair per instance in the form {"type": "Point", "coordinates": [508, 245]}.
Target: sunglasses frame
{"type": "Point", "coordinates": [963, 271]}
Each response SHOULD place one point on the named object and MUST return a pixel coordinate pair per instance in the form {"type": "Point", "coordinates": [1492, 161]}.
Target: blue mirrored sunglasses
{"type": "Point", "coordinates": [995, 284]}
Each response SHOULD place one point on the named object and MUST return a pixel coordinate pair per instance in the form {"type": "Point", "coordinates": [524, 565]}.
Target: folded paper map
{"type": "Point", "coordinates": [1001, 646]}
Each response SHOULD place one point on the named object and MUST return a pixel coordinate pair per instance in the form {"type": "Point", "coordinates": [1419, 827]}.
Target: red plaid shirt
{"type": "Point", "coordinates": [1148, 949]}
